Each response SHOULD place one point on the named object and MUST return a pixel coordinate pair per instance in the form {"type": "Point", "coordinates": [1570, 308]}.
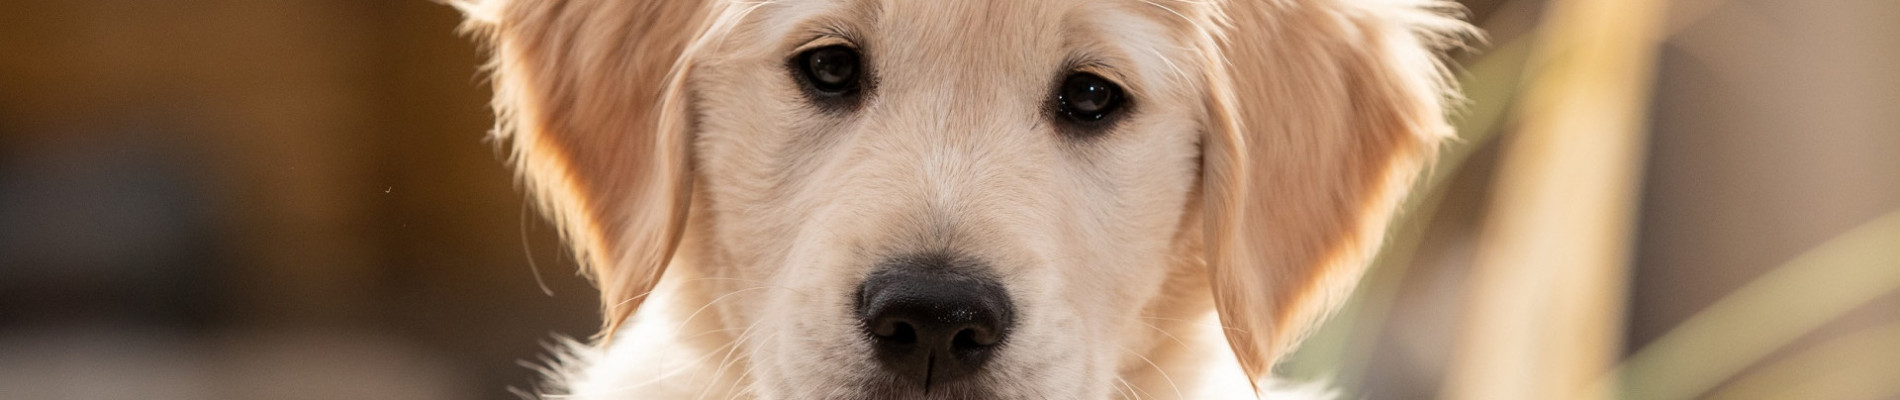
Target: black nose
{"type": "Point", "coordinates": [931, 319]}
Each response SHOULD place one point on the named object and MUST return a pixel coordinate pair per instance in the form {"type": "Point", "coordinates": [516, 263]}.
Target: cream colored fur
{"type": "Point", "coordinates": [1179, 255]}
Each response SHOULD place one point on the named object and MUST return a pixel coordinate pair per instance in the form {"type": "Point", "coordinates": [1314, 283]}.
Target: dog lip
{"type": "Point", "coordinates": [884, 386]}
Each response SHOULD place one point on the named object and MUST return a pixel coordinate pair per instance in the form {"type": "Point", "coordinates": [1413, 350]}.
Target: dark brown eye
{"type": "Point", "coordinates": [1087, 98]}
{"type": "Point", "coordinates": [831, 70]}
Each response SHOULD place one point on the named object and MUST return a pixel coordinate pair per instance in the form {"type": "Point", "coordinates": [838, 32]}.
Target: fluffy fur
{"type": "Point", "coordinates": [727, 220]}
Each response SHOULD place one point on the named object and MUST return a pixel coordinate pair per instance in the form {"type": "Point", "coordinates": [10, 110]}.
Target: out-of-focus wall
{"type": "Point", "coordinates": [211, 199]}
{"type": "Point", "coordinates": [1775, 126]}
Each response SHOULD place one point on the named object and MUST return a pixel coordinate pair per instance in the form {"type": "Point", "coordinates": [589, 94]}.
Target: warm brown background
{"type": "Point", "coordinates": [251, 199]}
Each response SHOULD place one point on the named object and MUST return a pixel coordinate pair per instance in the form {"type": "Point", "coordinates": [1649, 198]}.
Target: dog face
{"type": "Point", "coordinates": [983, 199]}
{"type": "Point", "coordinates": [1032, 161]}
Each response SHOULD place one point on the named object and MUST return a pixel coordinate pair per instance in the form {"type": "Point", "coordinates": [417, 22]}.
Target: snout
{"type": "Point", "coordinates": [933, 319]}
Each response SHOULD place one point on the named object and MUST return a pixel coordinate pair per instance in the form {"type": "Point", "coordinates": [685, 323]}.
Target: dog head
{"type": "Point", "coordinates": [971, 198]}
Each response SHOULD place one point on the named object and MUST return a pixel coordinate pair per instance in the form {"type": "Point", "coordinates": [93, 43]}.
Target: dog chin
{"type": "Point", "coordinates": [881, 388]}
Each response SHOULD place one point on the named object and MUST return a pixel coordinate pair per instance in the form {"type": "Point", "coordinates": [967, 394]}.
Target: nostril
{"type": "Point", "coordinates": [895, 331]}
{"type": "Point", "coordinates": [976, 337]}
{"type": "Point", "coordinates": [970, 339]}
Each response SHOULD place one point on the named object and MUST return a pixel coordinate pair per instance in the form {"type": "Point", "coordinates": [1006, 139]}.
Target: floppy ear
{"type": "Point", "coordinates": [587, 99]}
{"type": "Point", "coordinates": [1322, 114]}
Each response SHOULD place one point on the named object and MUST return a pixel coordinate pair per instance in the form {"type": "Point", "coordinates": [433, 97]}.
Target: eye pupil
{"type": "Point", "coordinates": [832, 70]}
{"type": "Point", "coordinates": [1087, 97]}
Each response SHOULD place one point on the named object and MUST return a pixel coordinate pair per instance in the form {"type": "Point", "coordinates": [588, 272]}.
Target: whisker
{"type": "Point", "coordinates": [1164, 332]}
{"type": "Point", "coordinates": [719, 370]}
{"type": "Point", "coordinates": [1131, 388]}
{"type": "Point", "coordinates": [709, 304]}
{"type": "Point", "coordinates": [750, 386]}
{"type": "Point", "coordinates": [1204, 324]}
{"type": "Point", "coordinates": [1164, 373]}
{"type": "Point", "coordinates": [756, 282]}
{"type": "Point", "coordinates": [665, 375]}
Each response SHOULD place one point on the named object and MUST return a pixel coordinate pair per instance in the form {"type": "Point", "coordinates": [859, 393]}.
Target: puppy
{"type": "Point", "coordinates": [960, 199]}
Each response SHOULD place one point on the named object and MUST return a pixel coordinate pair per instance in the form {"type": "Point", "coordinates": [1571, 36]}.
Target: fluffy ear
{"type": "Point", "coordinates": [1322, 113]}
{"type": "Point", "coordinates": [588, 101]}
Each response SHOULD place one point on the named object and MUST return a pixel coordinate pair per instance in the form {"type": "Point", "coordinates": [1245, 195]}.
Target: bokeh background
{"type": "Point", "coordinates": [293, 199]}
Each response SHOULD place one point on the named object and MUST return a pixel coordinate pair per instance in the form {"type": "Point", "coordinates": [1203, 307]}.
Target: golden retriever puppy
{"type": "Point", "coordinates": [962, 199]}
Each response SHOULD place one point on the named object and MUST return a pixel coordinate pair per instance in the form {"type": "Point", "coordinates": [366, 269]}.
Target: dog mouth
{"type": "Point", "coordinates": [886, 386]}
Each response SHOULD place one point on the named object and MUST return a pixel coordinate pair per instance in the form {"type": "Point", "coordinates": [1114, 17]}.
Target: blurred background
{"type": "Point", "coordinates": [293, 199]}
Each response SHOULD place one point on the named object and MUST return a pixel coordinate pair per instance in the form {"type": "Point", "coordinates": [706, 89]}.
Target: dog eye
{"type": "Point", "coordinates": [1087, 98]}
{"type": "Point", "coordinates": [831, 70]}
